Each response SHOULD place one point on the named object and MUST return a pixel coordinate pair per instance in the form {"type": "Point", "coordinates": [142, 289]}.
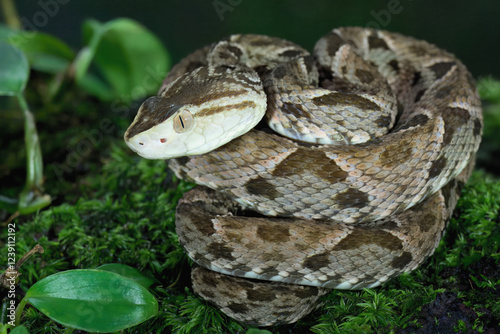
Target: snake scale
{"type": "Point", "coordinates": [349, 182]}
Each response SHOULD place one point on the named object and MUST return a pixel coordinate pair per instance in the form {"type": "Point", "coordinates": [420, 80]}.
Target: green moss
{"type": "Point", "coordinates": [474, 231]}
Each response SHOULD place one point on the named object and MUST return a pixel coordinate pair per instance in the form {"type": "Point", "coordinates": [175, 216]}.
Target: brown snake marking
{"type": "Point", "coordinates": [341, 216]}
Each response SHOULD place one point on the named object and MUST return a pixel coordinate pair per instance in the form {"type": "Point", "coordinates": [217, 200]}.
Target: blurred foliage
{"type": "Point", "coordinates": [115, 61]}
{"type": "Point", "coordinates": [14, 74]}
{"type": "Point", "coordinates": [121, 50]}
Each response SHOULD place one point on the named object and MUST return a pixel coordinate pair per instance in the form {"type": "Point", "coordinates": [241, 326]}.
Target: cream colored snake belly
{"type": "Point", "coordinates": [377, 131]}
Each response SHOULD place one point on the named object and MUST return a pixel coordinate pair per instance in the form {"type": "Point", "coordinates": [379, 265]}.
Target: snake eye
{"type": "Point", "coordinates": [183, 121]}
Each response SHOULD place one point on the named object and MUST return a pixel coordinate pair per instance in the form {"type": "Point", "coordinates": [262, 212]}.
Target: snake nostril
{"type": "Point", "coordinates": [163, 140]}
{"type": "Point", "coordinates": [141, 143]}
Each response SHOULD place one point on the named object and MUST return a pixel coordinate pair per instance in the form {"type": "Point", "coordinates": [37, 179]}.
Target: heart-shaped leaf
{"type": "Point", "coordinates": [92, 300]}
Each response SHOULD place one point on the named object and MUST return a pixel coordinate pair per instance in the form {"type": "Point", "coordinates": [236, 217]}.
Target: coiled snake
{"type": "Point", "coordinates": [377, 131]}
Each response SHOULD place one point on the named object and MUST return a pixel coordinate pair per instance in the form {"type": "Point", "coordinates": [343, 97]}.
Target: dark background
{"type": "Point", "coordinates": [469, 29]}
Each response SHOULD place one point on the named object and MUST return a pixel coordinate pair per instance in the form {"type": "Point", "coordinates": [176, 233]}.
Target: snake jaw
{"type": "Point", "coordinates": [151, 145]}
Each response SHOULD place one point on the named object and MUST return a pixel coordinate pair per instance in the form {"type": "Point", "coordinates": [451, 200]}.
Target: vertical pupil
{"type": "Point", "coordinates": [182, 123]}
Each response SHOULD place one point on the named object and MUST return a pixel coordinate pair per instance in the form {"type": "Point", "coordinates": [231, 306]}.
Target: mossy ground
{"type": "Point", "coordinates": [110, 206]}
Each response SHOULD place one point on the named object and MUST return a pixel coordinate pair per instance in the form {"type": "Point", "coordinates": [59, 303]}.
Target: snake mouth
{"type": "Point", "coordinates": [162, 140]}
{"type": "Point", "coordinates": [156, 145]}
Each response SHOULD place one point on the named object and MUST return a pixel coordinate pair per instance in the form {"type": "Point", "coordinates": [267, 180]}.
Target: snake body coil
{"type": "Point", "coordinates": [377, 133]}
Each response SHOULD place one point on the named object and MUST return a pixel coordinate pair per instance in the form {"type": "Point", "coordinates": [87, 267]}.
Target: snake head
{"type": "Point", "coordinates": [196, 115]}
{"type": "Point", "coordinates": [149, 132]}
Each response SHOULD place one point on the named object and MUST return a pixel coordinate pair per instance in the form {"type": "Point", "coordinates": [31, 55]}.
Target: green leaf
{"type": "Point", "coordinates": [14, 70]}
{"type": "Point", "coordinates": [45, 52]}
{"type": "Point", "coordinates": [92, 300]}
{"type": "Point", "coordinates": [131, 60]}
{"type": "Point", "coordinates": [128, 272]}
{"type": "Point", "coordinates": [19, 330]}
{"type": "Point", "coordinates": [257, 331]}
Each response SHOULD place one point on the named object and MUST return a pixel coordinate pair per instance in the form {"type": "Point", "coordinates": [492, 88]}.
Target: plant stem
{"type": "Point", "coordinates": [32, 197]}
{"type": "Point", "coordinates": [33, 151]}
{"type": "Point", "coordinates": [10, 14]}
{"type": "Point", "coordinates": [19, 311]}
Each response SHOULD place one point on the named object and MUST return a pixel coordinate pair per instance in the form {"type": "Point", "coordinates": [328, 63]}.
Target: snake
{"type": "Point", "coordinates": [336, 169]}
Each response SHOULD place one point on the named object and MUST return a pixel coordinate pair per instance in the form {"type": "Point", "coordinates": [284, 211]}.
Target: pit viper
{"type": "Point", "coordinates": [332, 170]}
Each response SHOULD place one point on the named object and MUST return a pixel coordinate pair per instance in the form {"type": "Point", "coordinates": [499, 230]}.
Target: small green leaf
{"type": "Point", "coordinates": [14, 70]}
{"type": "Point", "coordinates": [19, 330]}
{"type": "Point", "coordinates": [130, 58]}
{"type": "Point", "coordinates": [92, 300]}
{"type": "Point", "coordinates": [45, 52]}
{"type": "Point", "coordinates": [128, 272]}
{"type": "Point", "coordinates": [257, 331]}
